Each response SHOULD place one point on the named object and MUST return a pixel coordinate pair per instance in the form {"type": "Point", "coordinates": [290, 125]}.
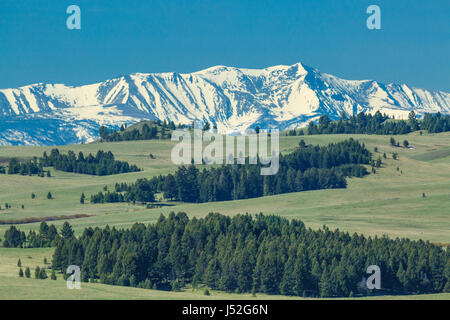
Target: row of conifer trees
{"type": "Point", "coordinates": [248, 253]}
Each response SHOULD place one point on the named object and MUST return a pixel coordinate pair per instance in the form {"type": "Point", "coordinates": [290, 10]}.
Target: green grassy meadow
{"type": "Point", "coordinates": [389, 202]}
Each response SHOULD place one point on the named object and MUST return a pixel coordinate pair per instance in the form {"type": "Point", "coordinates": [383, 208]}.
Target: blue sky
{"type": "Point", "coordinates": [122, 37]}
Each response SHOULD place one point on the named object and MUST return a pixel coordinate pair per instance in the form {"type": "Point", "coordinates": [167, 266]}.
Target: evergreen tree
{"type": "Point", "coordinates": [37, 273]}
{"type": "Point", "coordinates": [170, 187]}
{"type": "Point", "coordinates": [392, 141]}
{"type": "Point", "coordinates": [103, 132]}
{"type": "Point", "coordinates": [14, 238]}
{"type": "Point", "coordinates": [27, 272]}
{"type": "Point", "coordinates": [43, 274]}
{"type": "Point", "coordinates": [413, 121]}
{"type": "Point", "coordinates": [324, 284]}
{"type": "Point", "coordinates": [66, 231]}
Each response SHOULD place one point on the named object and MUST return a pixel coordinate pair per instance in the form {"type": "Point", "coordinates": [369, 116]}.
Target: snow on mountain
{"type": "Point", "coordinates": [234, 99]}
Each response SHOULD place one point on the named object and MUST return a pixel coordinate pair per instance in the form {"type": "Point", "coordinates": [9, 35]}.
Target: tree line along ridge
{"type": "Point", "coordinates": [100, 164]}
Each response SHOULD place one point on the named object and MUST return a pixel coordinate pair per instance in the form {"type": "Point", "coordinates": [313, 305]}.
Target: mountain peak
{"type": "Point", "coordinates": [234, 99]}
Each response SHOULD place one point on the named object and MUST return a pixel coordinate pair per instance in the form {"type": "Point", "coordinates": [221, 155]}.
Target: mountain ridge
{"type": "Point", "coordinates": [234, 99]}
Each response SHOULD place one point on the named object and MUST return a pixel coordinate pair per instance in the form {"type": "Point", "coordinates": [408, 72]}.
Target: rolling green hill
{"type": "Point", "coordinates": [388, 202]}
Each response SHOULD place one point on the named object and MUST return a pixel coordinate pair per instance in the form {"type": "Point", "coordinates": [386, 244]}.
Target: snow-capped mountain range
{"type": "Point", "coordinates": [234, 99]}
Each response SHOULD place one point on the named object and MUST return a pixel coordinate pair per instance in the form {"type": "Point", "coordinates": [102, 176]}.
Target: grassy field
{"type": "Point", "coordinates": [389, 202]}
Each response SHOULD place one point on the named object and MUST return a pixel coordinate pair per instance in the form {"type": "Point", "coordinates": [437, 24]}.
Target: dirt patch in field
{"type": "Point", "coordinates": [51, 218]}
